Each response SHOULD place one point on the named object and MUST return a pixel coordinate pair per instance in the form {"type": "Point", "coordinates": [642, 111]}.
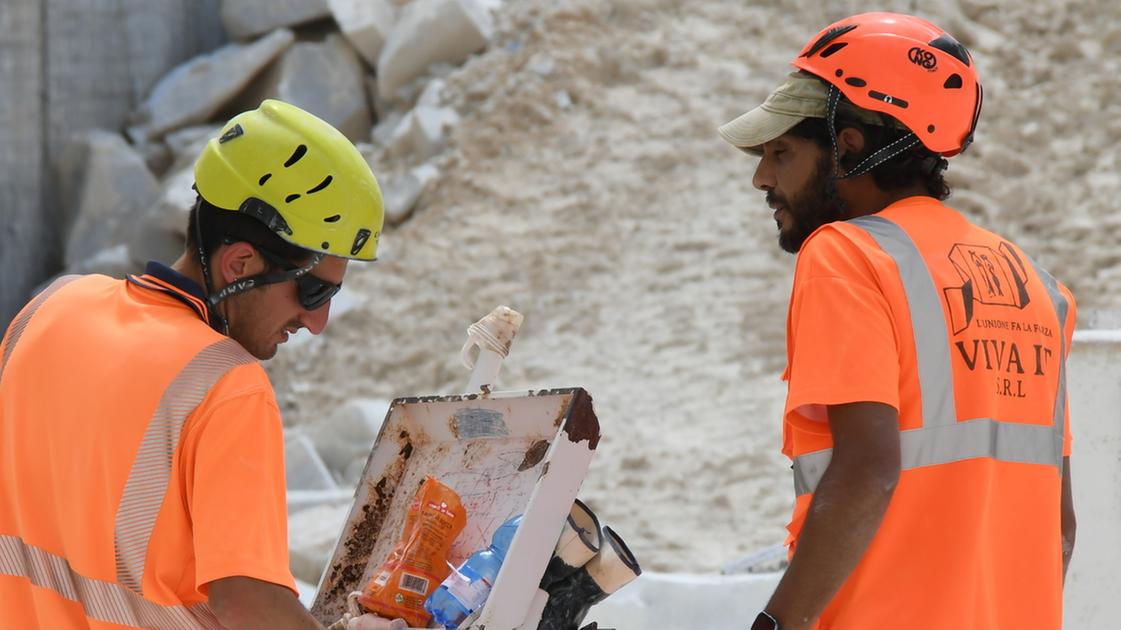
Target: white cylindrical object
{"type": "Point", "coordinates": [493, 334]}
{"type": "Point", "coordinates": [485, 371]}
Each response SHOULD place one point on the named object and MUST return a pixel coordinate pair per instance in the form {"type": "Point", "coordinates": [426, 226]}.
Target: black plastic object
{"type": "Point", "coordinates": [579, 541]}
{"type": "Point", "coordinates": [608, 571]}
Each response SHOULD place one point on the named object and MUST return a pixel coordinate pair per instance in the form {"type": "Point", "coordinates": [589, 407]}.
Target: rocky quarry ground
{"type": "Point", "coordinates": [567, 165]}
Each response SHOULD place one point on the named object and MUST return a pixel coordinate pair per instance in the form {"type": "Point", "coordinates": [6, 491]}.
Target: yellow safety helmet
{"type": "Point", "coordinates": [298, 175]}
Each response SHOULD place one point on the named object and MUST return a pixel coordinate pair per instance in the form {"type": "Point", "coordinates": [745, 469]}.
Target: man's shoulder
{"type": "Point", "coordinates": [837, 249]}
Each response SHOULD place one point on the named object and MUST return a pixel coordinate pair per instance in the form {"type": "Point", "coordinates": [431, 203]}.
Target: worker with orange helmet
{"type": "Point", "coordinates": [143, 480]}
{"type": "Point", "coordinates": [926, 412]}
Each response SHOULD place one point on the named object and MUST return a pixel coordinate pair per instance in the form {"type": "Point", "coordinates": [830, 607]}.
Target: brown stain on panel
{"type": "Point", "coordinates": [534, 454]}
{"type": "Point", "coordinates": [582, 423]}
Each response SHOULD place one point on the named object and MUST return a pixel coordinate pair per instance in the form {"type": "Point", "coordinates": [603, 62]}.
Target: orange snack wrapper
{"type": "Point", "coordinates": [419, 562]}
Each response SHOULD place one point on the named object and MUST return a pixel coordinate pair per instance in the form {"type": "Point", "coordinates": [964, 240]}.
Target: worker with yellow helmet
{"type": "Point", "coordinates": [143, 482]}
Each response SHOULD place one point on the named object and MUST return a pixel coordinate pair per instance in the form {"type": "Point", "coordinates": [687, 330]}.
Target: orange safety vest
{"type": "Point", "coordinates": [119, 409]}
{"type": "Point", "coordinates": [971, 538]}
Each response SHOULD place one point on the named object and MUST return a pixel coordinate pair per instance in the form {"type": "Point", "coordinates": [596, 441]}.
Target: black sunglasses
{"type": "Point", "coordinates": [313, 291]}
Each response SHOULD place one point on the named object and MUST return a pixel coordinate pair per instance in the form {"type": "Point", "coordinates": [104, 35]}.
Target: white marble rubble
{"type": "Point", "coordinates": [365, 23]}
{"type": "Point", "coordinates": [187, 144]}
{"type": "Point", "coordinates": [112, 261]}
{"type": "Point", "coordinates": [304, 468]}
{"type": "Point", "coordinates": [160, 232]}
{"type": "Point", "coordinates": [116, 188]}
{"type": "Point", "coordinates": [402, 191]}
{"type": "Point", "coordinates": [347, 435]}
{"type": "Point", "coordinates": [422, 133]}
{"type": "Point", "coordinates": [194, 91]}
{"type": "Point", "coordinates": [312, 535]}
{"type": "Point", "coordinates": [325, 78]}
{"type": "Point", "coordinates": [244, 19]}
{"type": "Point", "coordinates": [429, 32]}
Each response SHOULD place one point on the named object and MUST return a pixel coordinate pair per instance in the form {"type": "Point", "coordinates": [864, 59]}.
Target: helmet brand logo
{"type": "Point", "coordinates": [923, 58]}
{"type": "Point", "coordinates": [232, 133]}
{"type": "Point", "coordinates": [360, 239]}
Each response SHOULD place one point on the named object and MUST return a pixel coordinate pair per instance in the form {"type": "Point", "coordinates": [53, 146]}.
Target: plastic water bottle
{"type": "Point", "coordinates": [467, 588]}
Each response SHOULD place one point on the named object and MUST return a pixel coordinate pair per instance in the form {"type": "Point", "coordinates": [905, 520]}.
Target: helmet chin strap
{"type": "Point", "coordinates": [217, 321]}
{"type": "Point", "coordinates": [902, 144]}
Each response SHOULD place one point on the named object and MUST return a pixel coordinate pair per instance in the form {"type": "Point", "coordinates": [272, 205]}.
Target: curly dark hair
{"type": "Point", "coordinates": [916, 166]}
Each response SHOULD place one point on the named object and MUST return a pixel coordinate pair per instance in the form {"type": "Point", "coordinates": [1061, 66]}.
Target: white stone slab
{"type": "Point", "coordinates": [243, 19]}
{"type": "Point", "coordinates": [112, 261]}
{"type": "Point", "coordinates": [194, 91]}
{"type": "Point", "coordinates": [422, 133]}
{"type": "Point", "coordinates": [347, 434]}
{"type": "Point", "coordinates": [312, 534]}
{"type": "Point", "coordinates": [429, 32]}
{"type": "Point", "coordinates": [400, 193]}
{"type": "Point", "coordinates": [684, 600]}
{"type": "Point", "coordinates": [304, 468]}
{"type": "Point", "coordinates": [325, 78]}
{"type": "Point", "coordinates": [365, 23]}
{"type": "Point", "coordinates": [116, 188]}
{"type": "Point", "coordinates": [1093, 374]}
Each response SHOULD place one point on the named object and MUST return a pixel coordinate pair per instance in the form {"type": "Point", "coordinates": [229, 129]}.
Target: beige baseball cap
{"type": "Point", "coordinates": [802, 96]}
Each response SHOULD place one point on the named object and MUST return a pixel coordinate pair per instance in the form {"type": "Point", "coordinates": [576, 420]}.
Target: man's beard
{"type": "Point", "coordinates": [810, 208]}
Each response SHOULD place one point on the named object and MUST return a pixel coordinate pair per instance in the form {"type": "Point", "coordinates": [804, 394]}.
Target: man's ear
{"type": "Point", "coordinates": [236, 260]}
{"type": "Point", "coordinates": [850, 142]}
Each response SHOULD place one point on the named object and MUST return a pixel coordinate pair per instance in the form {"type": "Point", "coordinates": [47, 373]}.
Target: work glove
{"type": "Point", "coordinates": [374, 622]}
{"type": "Point", "coordinates": [355, 619]}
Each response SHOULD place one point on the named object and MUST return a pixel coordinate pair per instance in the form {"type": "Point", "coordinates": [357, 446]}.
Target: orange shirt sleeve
{"type": "Point", "coordinates": [236, 485]}
{"type": "Point", "coordinates": [842, 346]}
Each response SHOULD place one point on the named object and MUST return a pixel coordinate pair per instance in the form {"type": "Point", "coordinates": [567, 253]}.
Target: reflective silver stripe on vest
{"type": "Point", "coordinates": [932, 347]}
{"type": "Point", "coordinates": [20, 323]}
{"type": "Point", "coordinates": [151, 470]}
{"type": "Point", "coordinates": [1062, 308]}
{"type": "Point", "coordinates": [942, 439]}
{"type": "Point", "coordinates": [101, 600]}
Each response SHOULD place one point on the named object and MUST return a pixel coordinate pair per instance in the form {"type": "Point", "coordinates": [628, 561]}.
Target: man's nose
{"type": "Point", "coordinates": [316, 321]}
{"type": "Point", "coordinates": [764, 178]}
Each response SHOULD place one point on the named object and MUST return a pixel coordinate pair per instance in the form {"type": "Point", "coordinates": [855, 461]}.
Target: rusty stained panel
{"type": "Point", "coordinates": [494, 474]}
{"type": "Point", "coordinates": [362, 531]}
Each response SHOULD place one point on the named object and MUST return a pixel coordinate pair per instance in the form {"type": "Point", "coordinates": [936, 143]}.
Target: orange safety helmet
{"type": "Point", "coordinates": [905, 67]}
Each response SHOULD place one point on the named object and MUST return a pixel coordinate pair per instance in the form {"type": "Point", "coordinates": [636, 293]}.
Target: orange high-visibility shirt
{"type": "Point", "coordinates": [141, 457]}
{"type": "Point", "coordinates": [952, 325]}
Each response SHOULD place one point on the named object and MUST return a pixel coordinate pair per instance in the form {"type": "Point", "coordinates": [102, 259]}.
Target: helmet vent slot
{"type": "Point", "coordinates": [833, 48]}
{"type": "Point", "coordinates": [953, 82]}
{"type": "Point", "coordinates": [291, 198]}
{"type": "Point", "coordinates": [264, 178]}
{"type": "Point", "coordinates": [856, 82]}
{"type": "Point", "coordinates": [889, 99]}
{"type": "Point", "coordinates": [333, 218]}
{"type": "Point", "coordinates": [832, 34]}
{"type": "Point", "coordinates": [296, 155]}
{"type": "Point", "coordinates": [323, 184]}
{"type": "Point", "coordinates": [951, 46]}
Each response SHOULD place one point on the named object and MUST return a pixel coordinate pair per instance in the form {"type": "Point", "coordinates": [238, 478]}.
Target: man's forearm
{"type": "Point", "coordinates": [1069, 524]}
{"type": "Point", "coordinates": [846, 511]}
{"type": "Point", "coordinates": [242, 603]}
